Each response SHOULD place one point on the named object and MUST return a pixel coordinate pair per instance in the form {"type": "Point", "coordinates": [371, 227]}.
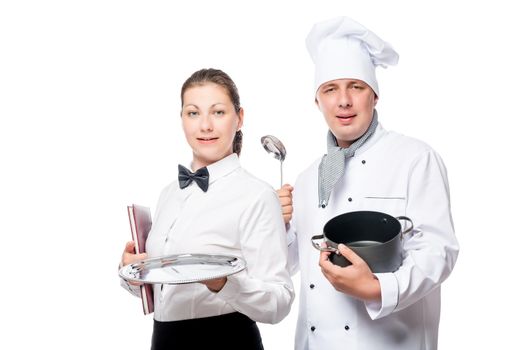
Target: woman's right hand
{"type": "Point", "coordinates": [286, 201]}
{"type": "Point", "coordinates": [129, 257]}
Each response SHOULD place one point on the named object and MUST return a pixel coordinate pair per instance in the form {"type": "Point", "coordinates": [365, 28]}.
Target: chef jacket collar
{"type": "Point", "coordinates": [379, 132]}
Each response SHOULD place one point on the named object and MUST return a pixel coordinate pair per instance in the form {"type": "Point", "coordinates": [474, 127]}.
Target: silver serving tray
{"type": "Point", "coordinates": [182, 268]}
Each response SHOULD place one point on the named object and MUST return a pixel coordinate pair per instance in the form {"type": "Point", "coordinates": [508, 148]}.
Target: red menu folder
{"type": "Point", "coordinates": [140, 222]}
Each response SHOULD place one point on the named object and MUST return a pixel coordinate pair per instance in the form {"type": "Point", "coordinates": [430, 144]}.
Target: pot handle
{"type": "Point", "coordinates": [318, 247]}
{"type": "Point", "coordinates": [410, 228]}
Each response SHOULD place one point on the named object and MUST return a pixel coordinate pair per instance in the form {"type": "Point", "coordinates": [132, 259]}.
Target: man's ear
{"type": "Point", "coordinates": [375, 100]}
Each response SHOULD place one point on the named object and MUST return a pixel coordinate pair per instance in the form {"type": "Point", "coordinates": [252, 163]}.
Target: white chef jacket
{"type": "Point", "coordinates": [239, 215]}
{"type": "Point", "coordinates": [400, 176]}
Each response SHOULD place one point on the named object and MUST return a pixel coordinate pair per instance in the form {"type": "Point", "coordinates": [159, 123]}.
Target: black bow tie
{"type": "Point", "coordinates": [185, 177]}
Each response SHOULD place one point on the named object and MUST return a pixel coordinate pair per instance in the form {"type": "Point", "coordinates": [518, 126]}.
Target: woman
{"type": "Point", "coordinates": [233, 214]}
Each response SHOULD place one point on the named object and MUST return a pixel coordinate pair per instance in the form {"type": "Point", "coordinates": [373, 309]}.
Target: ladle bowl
{"type": "Point", "coordinates": [276, 148]}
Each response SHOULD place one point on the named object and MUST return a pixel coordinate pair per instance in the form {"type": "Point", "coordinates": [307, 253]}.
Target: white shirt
{"type": "Point", "coordinates": [399, 176]}
{"type": "Point", "coordinates": [239, 215]}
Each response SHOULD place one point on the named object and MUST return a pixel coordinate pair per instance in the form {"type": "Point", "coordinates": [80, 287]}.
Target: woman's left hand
{"type": "Point", "coordinates": [215, 285]}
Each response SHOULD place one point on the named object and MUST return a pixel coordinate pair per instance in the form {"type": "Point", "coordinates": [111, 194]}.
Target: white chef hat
{"type": "Point", "coordinates": [344, 49]}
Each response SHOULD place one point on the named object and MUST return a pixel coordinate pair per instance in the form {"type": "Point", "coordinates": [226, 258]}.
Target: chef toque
{"type": "Point", "coordinates": [344, 49]}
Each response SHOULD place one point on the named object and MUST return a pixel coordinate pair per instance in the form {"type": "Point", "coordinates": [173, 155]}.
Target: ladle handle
{"type": "Point", "coordinates": [281, 174]}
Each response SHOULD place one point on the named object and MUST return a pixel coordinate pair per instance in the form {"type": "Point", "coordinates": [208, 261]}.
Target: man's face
{"type": "Point", "coordinates": [347, 106]}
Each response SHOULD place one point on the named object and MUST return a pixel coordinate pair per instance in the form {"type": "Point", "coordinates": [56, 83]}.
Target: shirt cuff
{"type": "Point", "coordinates": [135, 290]}
{"type": "Point", "coordinates": [231, 289]}
{"type": "Point", "coordinates": [389, 295]}
{"type": "Point", "coordinates": [290, 235]}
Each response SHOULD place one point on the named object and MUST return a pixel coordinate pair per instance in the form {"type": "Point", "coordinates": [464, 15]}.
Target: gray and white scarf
{"type": "Point", "coordinates": [331, 167]}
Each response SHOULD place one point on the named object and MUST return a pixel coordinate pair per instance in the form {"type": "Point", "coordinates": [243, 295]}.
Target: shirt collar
{"type": "Point", "coordinates": [223, 167]}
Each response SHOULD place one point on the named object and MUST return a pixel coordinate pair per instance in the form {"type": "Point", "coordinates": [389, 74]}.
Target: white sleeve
{"type": "Point", "coordinates": [264, 291]}
{"type": "Point", "coordinates": [431, 249]}
{"type": "Point", "coordinates": [135, 290]}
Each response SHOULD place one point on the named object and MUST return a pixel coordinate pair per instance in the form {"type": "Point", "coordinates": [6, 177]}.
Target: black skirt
{"type": "Point", "coordinates": [229, 331]}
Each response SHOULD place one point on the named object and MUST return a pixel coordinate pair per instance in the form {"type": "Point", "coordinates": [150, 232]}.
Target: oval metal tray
{"type": "Point", "coordinates": [182, 268]}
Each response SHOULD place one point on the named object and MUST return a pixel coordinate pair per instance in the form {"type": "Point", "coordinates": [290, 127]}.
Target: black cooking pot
{"type": "Point", "coordinates": [376, 237]}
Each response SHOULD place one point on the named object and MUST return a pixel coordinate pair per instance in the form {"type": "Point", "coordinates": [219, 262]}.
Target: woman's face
{"type": "Point", "coordinates": [210, 122]}
{"type": "Point", "coordinates": [347, 106]}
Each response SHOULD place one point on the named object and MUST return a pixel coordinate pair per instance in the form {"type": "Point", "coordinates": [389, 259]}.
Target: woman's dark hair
{"type": "Point", "coordinates": [220, 78]}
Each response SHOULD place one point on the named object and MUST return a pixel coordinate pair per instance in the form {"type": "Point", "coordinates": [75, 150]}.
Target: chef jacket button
{"type": "Point", "coordinates": [313, 328]}
{"type": "Point", "coordinates": [311, 286]}
{"type": "Point", "coordinates": [346, 327]}
{"type": "Point", "coordinates": [350, 199]}
{"type": "Point", "coordinates": [363, 161]}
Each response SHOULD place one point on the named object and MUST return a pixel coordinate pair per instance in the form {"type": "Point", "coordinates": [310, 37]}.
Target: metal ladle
{"type": "Point", "coordinates": [276, 148]}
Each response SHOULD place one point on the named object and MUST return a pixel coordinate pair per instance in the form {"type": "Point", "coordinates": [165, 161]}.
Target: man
{"type": "Point", "coordinates": [366, 168]}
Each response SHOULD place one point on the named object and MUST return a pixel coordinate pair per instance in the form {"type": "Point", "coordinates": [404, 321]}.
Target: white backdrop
{"type": "Point", "coordinates": [89, 103]}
